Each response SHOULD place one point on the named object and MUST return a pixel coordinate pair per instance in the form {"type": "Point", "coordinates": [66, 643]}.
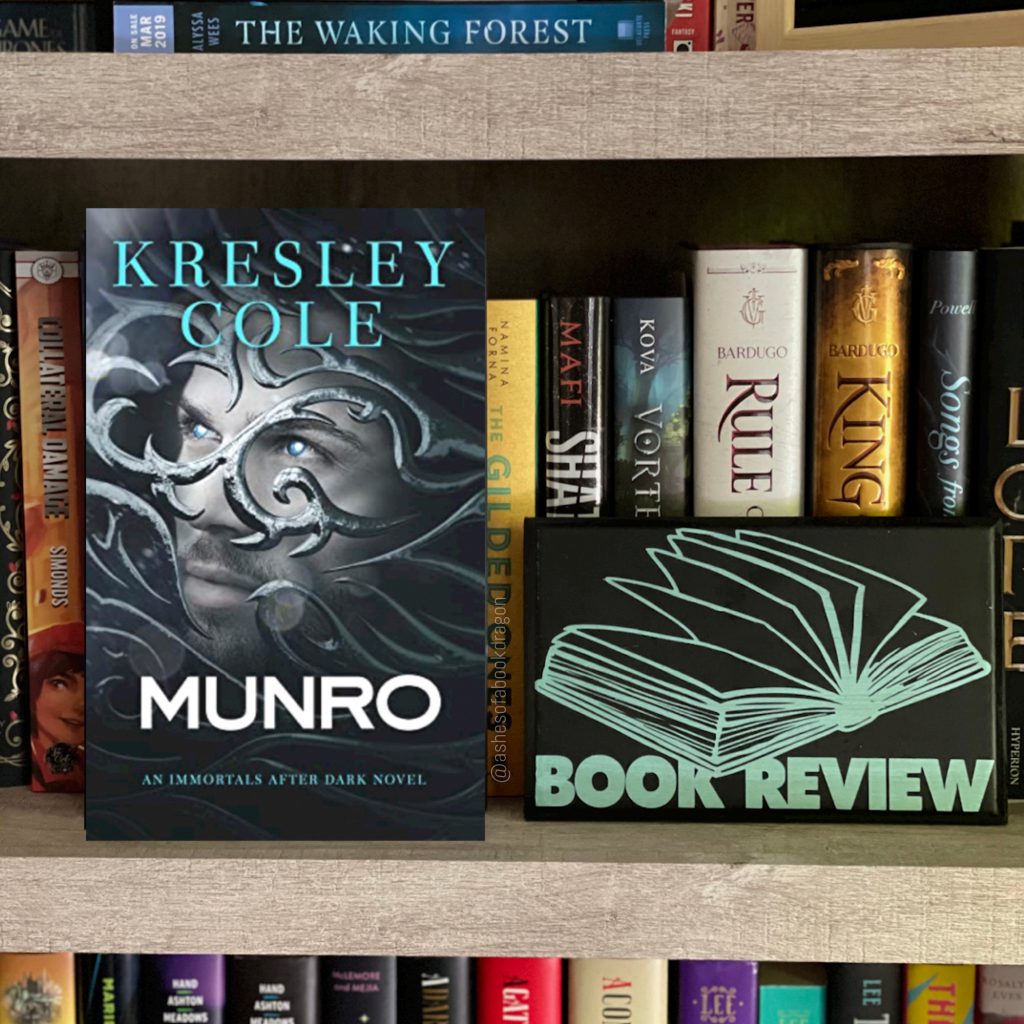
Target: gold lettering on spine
{"type": "Point", "coordinates": [1013, 433]}
{"type": "Point", "coordinates": [1011, 641]}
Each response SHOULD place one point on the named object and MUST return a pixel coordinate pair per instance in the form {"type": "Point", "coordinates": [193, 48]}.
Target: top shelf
{"type": "Point", "coordinates": [514, 107]}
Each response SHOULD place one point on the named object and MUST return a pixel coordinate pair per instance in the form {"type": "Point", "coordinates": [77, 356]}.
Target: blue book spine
{"type": "Point", "coordinates": [280, 27]}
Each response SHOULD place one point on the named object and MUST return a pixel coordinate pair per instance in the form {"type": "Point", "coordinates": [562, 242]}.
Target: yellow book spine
{"type": "Point", "coordinates": [511, 498]}
{"type": "Point", "coordinates": [618, 990]}
{"type": "Point", "coordinates": [940, 993]}
{"type": "Point", "coordinates": [862, 368]}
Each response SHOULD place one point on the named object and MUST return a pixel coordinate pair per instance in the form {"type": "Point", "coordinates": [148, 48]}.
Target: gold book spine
{"type": "Point", "coordinates": [511, 498]}
{"type": "Point", "coordinates": [618, 990]}
{"type": "Point", "coordinates": [862, 373]}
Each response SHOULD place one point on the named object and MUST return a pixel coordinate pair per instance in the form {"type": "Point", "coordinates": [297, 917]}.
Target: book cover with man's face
{"type": "Point", "coordinates": [285, 415]}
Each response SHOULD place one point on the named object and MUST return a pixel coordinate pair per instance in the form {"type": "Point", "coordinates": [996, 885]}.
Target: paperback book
{"type": "Point", "coordinates": [108, 988]}
{"type": "Point", "coordinates": [183, 988]}
{"type": "Point", "coordinates": [858, 993]}
{"type": "Point", "coordinates": [519, 990]}
{"type": "Point", "coordinates": [37, 988]}
{"type": "Point", "coordinates": [791, 992]}
{"type": "Point", "coordinates": [940, 992]}
{"type": "Point", "coordinates": [434, 989]}
{"type": "Point", "coordinates": [623, 990]}
{"type": "Point", "coordinates": [359, 989]}
{"type": "Point", "coordinates": [717, 992]}
{"type": "Point", "coordinates": [285, 532]}
{"type": "Point", "coordinates": [273, 990]}
{"type": "Point", "coordinates": [1000, 994]}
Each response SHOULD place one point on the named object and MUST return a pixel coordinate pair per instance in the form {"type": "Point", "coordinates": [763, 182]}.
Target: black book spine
{"type": "Point", "coordinates": [999, 465]}
{"type": "Point", "coordinates": [28, 26]}
{"type": "Point", "coordinates": [14, 705]}
{"type": "Point", "coordinates": [358, 990]}
{"type": "Point", "coordinates": [108, 988]}
{"type": "Point", "coordinates": [865, 994]}
{"type": "Point", "coordinates": [435, 990]}
{"type": "Point", "coordinates": [651, 407]}
{"type": "Point", "coordinates": [575, 446]}
{"type": "Point", "coordinates": [272, 990]}
{"type": "Point", "coordinates": [944, 391]}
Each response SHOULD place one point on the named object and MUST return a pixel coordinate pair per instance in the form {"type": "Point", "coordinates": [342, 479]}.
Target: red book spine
{"type": "Point", "coordinates": [519, 990]}
{"type": "Point", "coordinates": [689, 26]}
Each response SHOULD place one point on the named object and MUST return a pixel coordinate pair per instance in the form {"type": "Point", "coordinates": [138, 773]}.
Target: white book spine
{"type": "Point", "coordinates": [749, 381]}
{"type": "Point", "coordinates": [1000, 993]}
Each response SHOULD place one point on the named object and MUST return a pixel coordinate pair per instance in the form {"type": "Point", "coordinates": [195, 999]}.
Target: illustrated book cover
{"type": "Point", "coordinates": [285, 524]}
{"type": "Point", "coordinates": [790, 670]}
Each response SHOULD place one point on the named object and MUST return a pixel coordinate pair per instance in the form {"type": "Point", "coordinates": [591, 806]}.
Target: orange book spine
{"type": "Point", "coordinates": [50, 362]}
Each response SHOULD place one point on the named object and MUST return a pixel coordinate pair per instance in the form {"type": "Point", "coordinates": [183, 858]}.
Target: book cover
{"type": "Point", "coordinates": [939, 993]}
{"type": "Point", "coordinates": [511, 498]}
{"type": "Point", "coordinates": [651, 407]}
{"type": "Point", "coordinates": [27, 26]}
{"type": "Point", "coordinates": [621, 990]}
{"type": "Point", "coordinates": [37, 988]}
{"type": "Point", "coordinates": [861, 392]}
{"type": "Point", "coordinates": [286, 513]}
{"type": "Point", "coordinates": [108, 988]}
{"type": "Point", "coordinates": [50, 396]}
{"type": "Point", "coordinates": [14, 709]}
{"type": "Point", "coordinates": [717, 992]}
{"type": "Point", "coordinates": [182, 988]}
{"type": "Point", "coordinates": [1000, 995]}
{"type": "Point", "coordinates": [998, 465]}
{"type": "Point", "coordinates": [519, 990]}
{"type": "Point", "coordinates": [690, 26]}
{"type": "Point", "coordinates": [272, 990]}
{"type": "Point", "coordinates": [749, 355]}
{"type": "Point", "coordinates": [944, 347]}
{"type": "Point", "coordinates": [865, 993]}
{"type": "Point", "coordinates": [435, 990]}
{"type": "Point", "coordinates": [279, 27]}
{"type": "Point", "coordinates": [358, 990]}
{"type": "Point", "coordinates": [791, 994]}
{"type": "Point", "coordinates": [792, 670]}
{"type": "Point", "coordinates": [575, 470]}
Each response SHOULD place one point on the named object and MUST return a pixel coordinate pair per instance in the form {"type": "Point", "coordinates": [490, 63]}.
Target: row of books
{"type": "Point", "coordinates": [214, 989]}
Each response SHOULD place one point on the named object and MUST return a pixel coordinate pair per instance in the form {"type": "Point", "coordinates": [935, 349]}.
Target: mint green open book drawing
{"type": "Point", "coordinates": [765, 645]}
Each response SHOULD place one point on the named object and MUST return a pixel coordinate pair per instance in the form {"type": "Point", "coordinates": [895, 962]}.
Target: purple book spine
{"type": "Point", "coordinates": [717, 992]}
{"type": "Point", "coordinates": [183, 988]}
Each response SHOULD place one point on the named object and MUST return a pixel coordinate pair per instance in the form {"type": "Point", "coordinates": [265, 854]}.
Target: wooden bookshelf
{"type": "Point", "coordinates": [875, 893]}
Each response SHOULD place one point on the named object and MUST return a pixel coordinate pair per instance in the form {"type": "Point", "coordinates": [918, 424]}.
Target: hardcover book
{"type": "Point", "coordinates": [624, 990]}
{"type": "Point", "coordinates": [435, 990]}
{"type": "Point", "coordinates": [37, 987]}
{"type": "Point", "coordinates": [235, 26]}
{"type": "Point", "coordinates": [788, 670]}
{"type": "Point", "coordinates": [273, 990]}
{"type": "Point", "coordinates": [791, 993]}
{"type": "Point", "coordinates": [1000, 994]}
{"type": "Point", "coordinates": [286, 502]}
{"type": "Point", "coordinates": [862, 354]}
{"type": "Point", "coordinates": [865, 993]}
{"type": "Point", "coordinates": [27, 26]}
{"type": "Point", "coordinates": [511, 498]}
{"type": "Point", "coordinates": [749, 355]}
{"type": "Point", "coordinates": [182, 988]}
{"type": "Point", "coordinates": [108, 988]}
{"type": "Point", "coordinates": [651, 407]}
{"type": "Point", "coordinates": [943, 381]}
{"type": "Point", "coordinates": [998, 466]}
{"type": "Point", "coordinates": [690, 26]}
{"type": "Point", "coordinates": [939, 992]}
{"type": "Point", "coordinates": [519, 990]}
{"type": "Point", "coordinates": [358, 990]}
{"type": "Point", "coordinates": [574, 473]}
{"type": "Point", "coordinates": [50, 386]}
{"type": "Point", "coordinates": [14, 720]}
{"type": "Point", "coordinates": [717, 992]}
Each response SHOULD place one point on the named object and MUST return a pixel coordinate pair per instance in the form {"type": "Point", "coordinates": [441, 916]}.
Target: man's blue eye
{"type": "Point", "coordinates": [296, 448]}
{"type": "Point", "coordinates": [200, 431]}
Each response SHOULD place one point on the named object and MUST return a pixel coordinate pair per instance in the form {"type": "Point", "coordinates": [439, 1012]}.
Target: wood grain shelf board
{"type": "Point", "coordinates": [847, 893]}
{"type": "Point", "coordinates": [514, 107]}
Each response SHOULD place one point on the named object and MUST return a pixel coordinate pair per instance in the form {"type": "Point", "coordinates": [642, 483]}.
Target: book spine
{"type": "Point", "coordinates": [749, 358]}
{"type": "Point", "coordinates": [30, 27]}
{"type": "Point", "coordinates": [690, 26]}
{"type": "Point", "coordinates": [435, 990]}
{"type": "Point", "coordinates": [939, 992]}
{"type": "Point", "coordinates": [519, 990]}
{"type": "Point", "coordinates": [51, 396]}
{"type": "Point", "coordinates": [183, 26]}
{"type": "Point", "coordinates": [24, 975]}
{"type": "Point", "coordinates": [176, 988]}
{"type": "Point", "coordinates": [108, 988]}
{"type": "Point", "coordinates": [735, 24]}
{"type": "Point", "coordinates": [998, 465]}
{"type": "Point", "coordinates": [717, 992]}
{"type": "Point", "coordinates": [1001, 995]}
{"type": "Point", "coordinates": [862, 369]}
{"type": "Point", "coordinates": [865, 994]}
{"type": "Point", "coordinates": [651, 407]}
{"type": "Point", "coordinates": [622, 990]}
{"type": "Point", "coordinates": [783, 1004]}
{"type": "Point", "coordinates": [511, 498]}
{"type": "Point", "coordinates": [272, 990]}
{"type": "Point", "coordinates": [354, 989]}
{"type": "Point", "coordinates": [945, 355]}
{"type": "Point", "coordinates": [14, 720]}
{"type": "Point", "coordinates": [574, 395]}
